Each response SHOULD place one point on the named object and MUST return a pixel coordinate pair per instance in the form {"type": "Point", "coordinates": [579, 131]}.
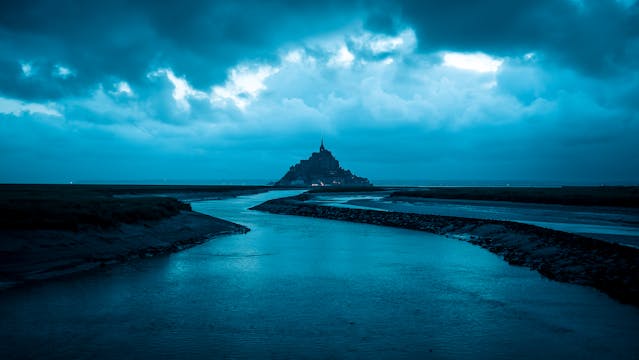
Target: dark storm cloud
{"type": "Point", "coordinates": [202, 39]}
{"type": "Point", "coordinates": [126, 39]}
{"type": "Point", "coordinates": [597, 37]}
{"type": "Point", "coordinates": [386, 108]}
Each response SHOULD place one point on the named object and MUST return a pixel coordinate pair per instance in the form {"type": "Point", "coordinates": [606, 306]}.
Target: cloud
{"type": "Point", "coordinates": [475, 62]}
{"type": "Point", "coordinates": [598, 38]}
{"type": "Point", "coordinates": [18, 108]}
{"type": "Point", "coordinates": [342, 58]}
{"type": "Point", "coordinates": [182, 90]}
{"type": "Point", "coordinates": [244, 84]}
{"type": "Point", "coordinates": [62, 72]}
{"type": "Point", "coordinates": [211, 37]}
{"type": "Point", "coordinates": [455, 89]}
{"type": "Point", "coordinates": [294, 56]}
{"type": "Point", "coordinates": [27, 69]}
{"type": "Point", "coordinates": [382, 44]}
{"type": "Point", "coordinates": [123, 88]}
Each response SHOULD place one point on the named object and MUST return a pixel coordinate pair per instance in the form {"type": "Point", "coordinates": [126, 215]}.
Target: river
{"type": "Point", "coordinates": [302, 287]}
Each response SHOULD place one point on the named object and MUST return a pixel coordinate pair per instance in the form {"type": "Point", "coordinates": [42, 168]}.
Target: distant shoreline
{"type": "Point", "coordinates": [612, 196]}
{"type": "Point", "coordinates": [610, 268]}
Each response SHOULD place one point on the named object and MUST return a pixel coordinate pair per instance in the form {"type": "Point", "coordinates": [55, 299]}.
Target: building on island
{"type": "Point", "coordinates": [321, 169]}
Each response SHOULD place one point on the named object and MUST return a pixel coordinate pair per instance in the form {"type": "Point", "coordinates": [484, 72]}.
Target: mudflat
{"type": "Point", "coordinates": [621, 196]}
{"type": "Point", "coordinates": [52, 230]}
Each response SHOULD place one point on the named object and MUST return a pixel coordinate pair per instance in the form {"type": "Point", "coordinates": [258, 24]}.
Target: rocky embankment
{"type": "Point", "coordinates": [610, 268]}
{"type": "Point", "coordinates": [28, 255]}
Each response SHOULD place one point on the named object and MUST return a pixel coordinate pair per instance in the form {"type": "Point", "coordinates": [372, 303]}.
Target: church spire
{"type": "Point", "coordinates": [322, 148]}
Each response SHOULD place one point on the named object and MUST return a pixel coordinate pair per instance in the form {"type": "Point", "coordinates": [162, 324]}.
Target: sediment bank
{"type": "Point", "coordinates": [28, 255]}
{"type": "Point", "coordinates": [614, 196]}
{"type": "Point", "coordinates": [610, 268]}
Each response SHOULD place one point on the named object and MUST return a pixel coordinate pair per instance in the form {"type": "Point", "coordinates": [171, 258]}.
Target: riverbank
{"type": "Point", "coordinates": [611, 224]}
{"type": "Point", "coordinates": [610, 268]}
{"type": "Point", "coordinates": [48, 231]}
{"type": "Point", "coordinates": [182, 192]}
{"type": "Point", "coordinates": [31, 255]}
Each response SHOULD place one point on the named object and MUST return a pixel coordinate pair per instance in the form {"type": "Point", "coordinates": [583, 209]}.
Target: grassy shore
{"type": "Point", "coordinates": [76, 210]}
{"type": "Point", "coordinates": [38, 190]}
{"type": "Point", "coordinates": [72, 207]}
{"type": "Point", "coordinates": [52, 230]}
{"type": "Point", "coordinates": [623, 196]}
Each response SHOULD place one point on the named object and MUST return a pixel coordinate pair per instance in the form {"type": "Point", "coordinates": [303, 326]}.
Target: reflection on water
{"type": "Point", "coordinates": [296, 287]}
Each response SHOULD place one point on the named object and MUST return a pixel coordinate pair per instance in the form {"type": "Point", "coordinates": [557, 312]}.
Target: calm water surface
{"type": "Point", "coordinates": [299, 287]}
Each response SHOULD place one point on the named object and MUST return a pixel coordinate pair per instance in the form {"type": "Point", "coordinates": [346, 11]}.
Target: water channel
{"type": "Point", "coordinates": [301, 287]}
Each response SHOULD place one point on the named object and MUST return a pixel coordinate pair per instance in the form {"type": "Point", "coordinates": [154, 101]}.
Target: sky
{"type": "Point", "coordinates": [537, 91]}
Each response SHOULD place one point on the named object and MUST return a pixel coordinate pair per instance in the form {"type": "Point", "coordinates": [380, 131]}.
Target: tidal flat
{"type": "Point", "coordinates": [48, 231]}
{"type": "Point", "coordinates": [301, 287]}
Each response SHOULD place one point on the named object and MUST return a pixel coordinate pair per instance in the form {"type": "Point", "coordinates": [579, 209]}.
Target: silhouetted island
{"type": "Point", "coordinates": [321, 169]}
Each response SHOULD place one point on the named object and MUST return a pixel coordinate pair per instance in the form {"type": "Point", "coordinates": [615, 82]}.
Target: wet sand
{"type": "Point", "coordinates": [612, 224]}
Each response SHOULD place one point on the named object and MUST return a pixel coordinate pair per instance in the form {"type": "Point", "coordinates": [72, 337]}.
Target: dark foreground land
{"type": "Point", "coordinates": [610, 268]}
{"type": "Point", "coordinates": [52, 230]}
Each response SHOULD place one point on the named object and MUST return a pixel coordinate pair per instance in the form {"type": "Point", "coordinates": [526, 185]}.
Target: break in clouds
{"type": "Point", "coordinates": [526, 90]}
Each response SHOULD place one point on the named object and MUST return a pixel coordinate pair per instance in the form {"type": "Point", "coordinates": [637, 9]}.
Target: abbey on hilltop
{"type": "Point", "coordinates": [321, 169]}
